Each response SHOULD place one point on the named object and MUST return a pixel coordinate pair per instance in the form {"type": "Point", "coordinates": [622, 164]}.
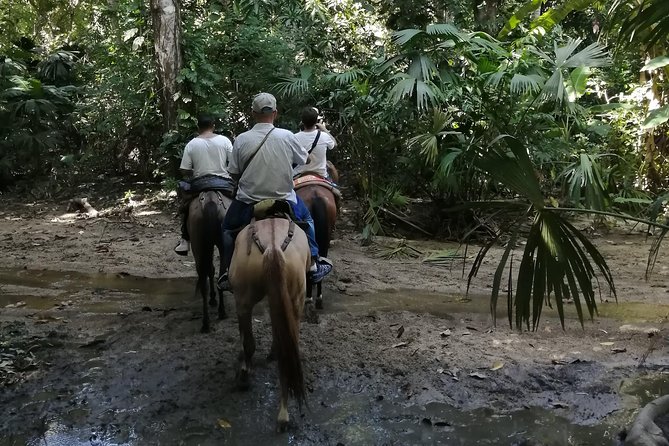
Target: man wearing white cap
{"type": "Point", "coordinates": [262, 163]}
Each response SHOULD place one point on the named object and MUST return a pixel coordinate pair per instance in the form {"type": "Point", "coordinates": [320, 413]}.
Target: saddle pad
{"type": "Point", "coordinates": [309, 179]}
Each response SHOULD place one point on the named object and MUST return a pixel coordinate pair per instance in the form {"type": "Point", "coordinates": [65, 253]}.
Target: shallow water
{"type": "Point", "coordinates": [358, 418]}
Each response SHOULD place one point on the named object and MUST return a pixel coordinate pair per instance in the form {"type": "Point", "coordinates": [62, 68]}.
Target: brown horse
{"type": "Point", "coordinates": [205, 217]}
{"type": "Point", "coordinates": [332, 172]}
{"type": "Point", "coordinates": [264, 269]}
{"type": "Point", "coordinates": [323, 209]}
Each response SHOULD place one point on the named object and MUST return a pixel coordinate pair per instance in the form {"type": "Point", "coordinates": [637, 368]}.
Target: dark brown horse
{"type": "Point", "coordinates": [205, 217]}
{"type": "Point", "coordinates": [280, 275]}
{"type": "Point", "coordinates": [322, 206]}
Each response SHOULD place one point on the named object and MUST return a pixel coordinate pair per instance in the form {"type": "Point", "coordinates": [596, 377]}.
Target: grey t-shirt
{"type": "Point", "coordinates": [207, 156]}
{"type": "Point", "coordinates": [269, 175]}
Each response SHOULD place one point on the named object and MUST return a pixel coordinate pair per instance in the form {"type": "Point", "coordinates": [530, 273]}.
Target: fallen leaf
{"type": "Point", "coordinates": [446, 333]}
{"type": "Point", "coordinates": [618, 350]}
{"type": "Point", "coordinates": [440, 370]}
{"type": "Point", "coordinates": [478, 375]}
{"type": "Point", "coordinates": [400, 344]}
{"type": "Point", "coordinates": [606, 344]}
{"type": "Point", "coordinates": [559, 405]}
{"type": "Point", "coordinates": [225, 424]}
{"type": "Point", "coordinates": [400, 331]}
{"type": "Point", "coordinates": [497, 365]}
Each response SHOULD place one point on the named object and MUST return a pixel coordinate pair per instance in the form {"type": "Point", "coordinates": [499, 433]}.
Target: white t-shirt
{"type": "Point", "coordinates": [207, 156]}
{"type": "Point", "coordinates": [269, 175]}
{"type": "Point", "coordinates": [317, 161]}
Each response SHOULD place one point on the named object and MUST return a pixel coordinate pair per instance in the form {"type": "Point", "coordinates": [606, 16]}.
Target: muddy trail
{"type": "Point", "coordinates": [100, 344]}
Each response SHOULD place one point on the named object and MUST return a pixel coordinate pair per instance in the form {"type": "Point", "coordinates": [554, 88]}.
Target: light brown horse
{"type": "Point", "coordinates": [205, 217]}
{"type": "Point", "coordinates": [323, 209]}
{"type": "Point", "coordinates": [281, 276]}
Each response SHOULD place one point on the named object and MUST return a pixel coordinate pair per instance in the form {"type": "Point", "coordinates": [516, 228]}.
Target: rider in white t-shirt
{"type": "Point", "coordinates": [317, 140]}
{"type": "Point", "coordinates": [205, 155]}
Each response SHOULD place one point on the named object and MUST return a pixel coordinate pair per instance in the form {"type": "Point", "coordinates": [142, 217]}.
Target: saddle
{"type": "Point", "coordinates": [272, 209]}
{"type": "Point", "coordinates": [192, 188]}
{"type": "Point", "coordinates": [313, 179]}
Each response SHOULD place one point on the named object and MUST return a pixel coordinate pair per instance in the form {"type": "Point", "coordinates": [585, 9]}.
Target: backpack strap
{"type": "Point", "coordinates": [313, 146]}
{"type": "Point", "coordinates": [248, 161]}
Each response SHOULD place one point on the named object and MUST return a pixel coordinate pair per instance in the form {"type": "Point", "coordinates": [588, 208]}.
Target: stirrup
{"type": "Point", "coordinates": [223, 283]}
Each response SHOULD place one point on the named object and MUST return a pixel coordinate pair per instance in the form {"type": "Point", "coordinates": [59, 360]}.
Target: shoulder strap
{"type": "Point", "coordinates": [313, 146]}
{"type": "Point", "coordinates": [248, 161]}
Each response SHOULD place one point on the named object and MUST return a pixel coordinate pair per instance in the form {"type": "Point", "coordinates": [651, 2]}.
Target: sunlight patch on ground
{"type": "Point", "coordinates": [144, 213]}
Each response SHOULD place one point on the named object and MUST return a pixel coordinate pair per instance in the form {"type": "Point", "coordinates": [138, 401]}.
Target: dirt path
{"type": "Point", "coordinates": [106, 349]}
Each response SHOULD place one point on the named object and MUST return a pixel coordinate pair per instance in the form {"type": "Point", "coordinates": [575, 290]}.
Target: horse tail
{"type": "Point", "coordinates": [285, 327]}
{"type": "Point", "coordinates": [209, 232]}
{"type": "Point", "coordinates": [319, 212]}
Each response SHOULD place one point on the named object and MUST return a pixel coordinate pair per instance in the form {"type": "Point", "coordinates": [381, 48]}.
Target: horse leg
{"type": "Point", "coordinates": [202, 281]}
{"type": "Point", "coordinates": [310, 291]}
{"type": "Point", "coordinates": [221, 303]}
{"type": "Point", "coordinates": [319, 295]}
{"type": "Point", "coordinates": [247, 345]}
{"type": "Point", "coordinates": [212, 288]}
{"type": "Point", "coordinates": [282, 418]}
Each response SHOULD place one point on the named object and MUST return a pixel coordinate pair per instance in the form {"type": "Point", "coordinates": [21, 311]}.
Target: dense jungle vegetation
{"type": "Point", "coordinates": [504, 115]}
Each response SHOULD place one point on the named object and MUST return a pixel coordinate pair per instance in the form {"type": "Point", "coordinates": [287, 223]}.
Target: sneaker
{"type": "Point", "coordinates": [182, 248]}
{"type": "Point", "coordinates": [223, 282]}
{"type": "Point", "coordinates": [322, 269]}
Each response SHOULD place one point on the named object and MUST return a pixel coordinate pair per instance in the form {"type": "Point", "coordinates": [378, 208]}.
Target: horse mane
{"type": "Point", "coordinates": [284, 324]}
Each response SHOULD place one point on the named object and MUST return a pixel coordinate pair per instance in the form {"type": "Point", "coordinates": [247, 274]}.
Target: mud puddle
{"type": "Point", "coordinates": [41, 289]}
{"type": "Point", "coordinates": [155, 380]}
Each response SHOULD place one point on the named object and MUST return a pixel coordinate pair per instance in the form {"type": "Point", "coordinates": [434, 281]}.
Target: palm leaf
{"type": "Point", "coordinates": [555, 15]}
{"type": "Point", "coordinates": [512, 168]}
{"type": "Point", "coordinates": [403, 37]}
{"type": "Point", "coordinates": [522, 84]}
{"type": "Point", "coordinates": [446, 29]}
{"type": "Point", "coordinates": [295, 86]}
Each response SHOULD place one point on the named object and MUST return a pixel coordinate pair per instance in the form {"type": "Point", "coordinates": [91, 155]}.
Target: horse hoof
{"type": "Point", "coordinates": [205, 329]}
{"type": "Point", "coordinates": [243, 382]}
{"type": "Point", "coordinates": [222, 316]}
{"type": "Point", "coordinates": [319, 303]}
{"type": "Point", "coordinates": [310, 315]}
{"type": "Point", "coordinates": [271, 356]}
{"type": "Point", "coordinates": [212, 302]}
{"type": "Point", "coordinates": [281, 426]}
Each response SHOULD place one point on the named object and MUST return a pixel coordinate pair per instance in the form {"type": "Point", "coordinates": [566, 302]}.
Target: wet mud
{"type": "Point", "coordinates": [102, 346]}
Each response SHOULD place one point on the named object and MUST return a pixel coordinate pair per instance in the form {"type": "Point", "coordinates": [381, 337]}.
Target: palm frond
{"type": "Point", "coordinates": [523, 84]}
{"type": "Point", "coordinates": [553, 16]}
{"type": "Point", "coordinates": [584, 181]}
{"type": "Point", "coordinates": [346, 77]}
{"type": "Point", "coordinates": [593, 55]}
{"type": "Point", "coordinates": [446, 29]}
{"type": "Point", "coordinates": [404, 36]}
{"type": "Point", "coordinates": [422, 68]}
{"type": "Point", "coordinates": [513, 168]}
{"type": "Point", "coordinates": [294, 86]}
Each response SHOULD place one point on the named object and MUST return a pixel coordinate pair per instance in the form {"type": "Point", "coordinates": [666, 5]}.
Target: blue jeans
{"type": "Point", "coordinates": [240, 214]}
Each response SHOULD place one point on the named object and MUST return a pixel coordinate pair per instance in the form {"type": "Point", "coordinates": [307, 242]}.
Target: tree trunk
{"type": "Point", "coordinates": [167, 47]}
{"type": "Point", "coordinates": [485, 13]}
